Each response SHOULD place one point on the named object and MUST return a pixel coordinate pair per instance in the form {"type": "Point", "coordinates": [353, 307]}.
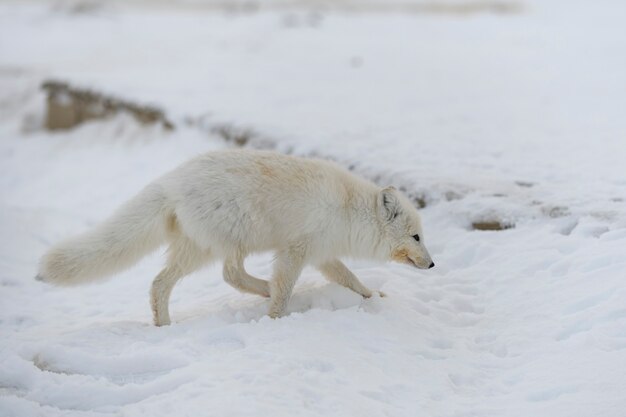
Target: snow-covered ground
{"type": "Point", "coordinates": [516, 117]}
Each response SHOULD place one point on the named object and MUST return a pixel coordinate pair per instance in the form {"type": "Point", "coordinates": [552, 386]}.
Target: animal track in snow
{"type": "Point", "coordinates": [66, 382]}
{"type": "Point", "coordinates": [118, 369]}
{"type": "Point", "coordinates": [551, 394]}
{"type": "Point", "coordinates": [588, 302]}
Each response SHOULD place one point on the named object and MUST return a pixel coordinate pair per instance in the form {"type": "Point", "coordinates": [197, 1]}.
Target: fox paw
{"type": "Point", "coordinates": [380, 294]}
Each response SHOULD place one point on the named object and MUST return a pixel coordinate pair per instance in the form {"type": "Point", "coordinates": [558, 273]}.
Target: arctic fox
{"type": "Point", "coordinates": [228, 204]}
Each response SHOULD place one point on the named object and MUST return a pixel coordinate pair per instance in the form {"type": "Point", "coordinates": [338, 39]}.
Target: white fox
{"type": "Point", "coordinates": [228, 204]}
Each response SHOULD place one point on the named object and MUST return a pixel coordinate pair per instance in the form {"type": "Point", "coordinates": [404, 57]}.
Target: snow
{"type": "Point", "coordinates": [510, 117]}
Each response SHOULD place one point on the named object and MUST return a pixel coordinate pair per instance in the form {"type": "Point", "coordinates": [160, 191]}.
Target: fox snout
{"type": "Point", "coordinates": [421, 263]}
{"type": "Point", "coordinates": [417, 260]}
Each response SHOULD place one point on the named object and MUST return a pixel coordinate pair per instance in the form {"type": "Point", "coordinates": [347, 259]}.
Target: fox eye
{"type": "Point", "coordinates": [416, 237]}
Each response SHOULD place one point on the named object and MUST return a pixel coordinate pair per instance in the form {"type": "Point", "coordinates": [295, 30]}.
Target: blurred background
{"type": "Point", "coordinates": [438, 96]}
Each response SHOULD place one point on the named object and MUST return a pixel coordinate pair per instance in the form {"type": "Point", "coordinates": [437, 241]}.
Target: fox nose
{"type": "Point", "coordinates": [432, 264]}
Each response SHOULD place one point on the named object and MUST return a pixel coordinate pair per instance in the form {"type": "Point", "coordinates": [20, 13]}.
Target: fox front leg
{"type": "Point", "coordinates": [336, 271]}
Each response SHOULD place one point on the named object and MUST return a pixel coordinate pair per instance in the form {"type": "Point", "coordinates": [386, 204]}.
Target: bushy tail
{"type": "Point", "coordinates": [135, 229]}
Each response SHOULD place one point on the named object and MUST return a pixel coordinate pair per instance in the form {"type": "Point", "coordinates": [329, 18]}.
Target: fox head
{"type": "Point", "coordinates": [402, 230]}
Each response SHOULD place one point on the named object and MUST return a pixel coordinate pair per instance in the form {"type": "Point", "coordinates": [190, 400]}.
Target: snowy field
{"type": "Point", "coordinates": [482, 115]}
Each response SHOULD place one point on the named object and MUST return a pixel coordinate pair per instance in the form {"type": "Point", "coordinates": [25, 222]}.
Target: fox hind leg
{"type": "Point", "coordinates": [287, 268]}
{"type": "Point", "coordinates": [184, 257]}
{"type": "Point", "coordinates": [235, 275]}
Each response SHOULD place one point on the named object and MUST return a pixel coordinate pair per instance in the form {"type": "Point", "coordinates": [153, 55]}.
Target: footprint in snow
{"type": "Point", "coordinates": [118, 369]}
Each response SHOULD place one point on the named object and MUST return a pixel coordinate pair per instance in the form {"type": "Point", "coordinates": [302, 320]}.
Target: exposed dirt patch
{"type": "Point", "coordinates": [452, 195]}
{"type": "Point", "coordinates": [555, 211]}
{"type": "Point", "coordinates": [493, 225]}
{"type": "Point", "coordinates": [69, 106]}
{"type": "Point", "coordinates": [239, 136]}
{"type": "Point", "coordinates": [525, 184]}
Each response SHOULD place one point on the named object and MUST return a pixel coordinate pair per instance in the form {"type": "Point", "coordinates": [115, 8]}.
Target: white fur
{"type": "Point", "coordinates": [226, 205]}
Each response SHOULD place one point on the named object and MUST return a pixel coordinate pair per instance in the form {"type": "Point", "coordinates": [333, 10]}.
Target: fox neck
{"type": "Point", "coordinates": [365, 238]}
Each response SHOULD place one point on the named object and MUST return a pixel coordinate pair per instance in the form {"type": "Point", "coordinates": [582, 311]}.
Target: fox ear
{"type": "Point", "coordinates": [388, 203]}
